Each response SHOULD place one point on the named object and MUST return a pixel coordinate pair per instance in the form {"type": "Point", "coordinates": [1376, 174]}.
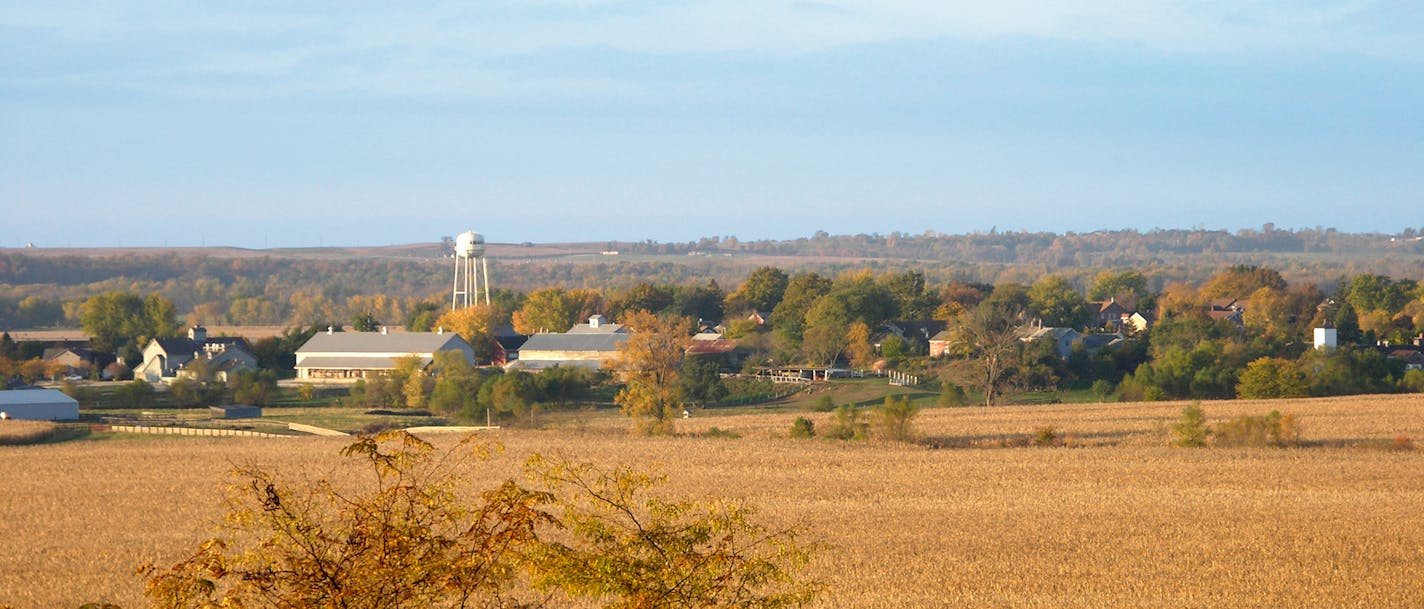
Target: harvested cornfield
{"type": "Point", "coordinates": [1108, 515]}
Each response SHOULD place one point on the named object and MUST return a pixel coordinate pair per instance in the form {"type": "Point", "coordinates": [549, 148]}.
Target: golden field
{"type": "Point", "coordinates": [1115, 518]}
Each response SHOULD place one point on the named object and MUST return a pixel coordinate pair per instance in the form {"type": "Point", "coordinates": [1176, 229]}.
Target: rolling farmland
{"type": "Point", "coordinates": [1111, 516]}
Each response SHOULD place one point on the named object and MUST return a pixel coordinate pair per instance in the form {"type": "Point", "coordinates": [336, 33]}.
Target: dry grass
{"type": "Point", "coordinates": [1120, 521]}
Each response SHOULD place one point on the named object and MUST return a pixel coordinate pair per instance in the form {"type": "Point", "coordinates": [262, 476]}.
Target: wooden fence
{"type": "Point", "coordinates": [194, 431]}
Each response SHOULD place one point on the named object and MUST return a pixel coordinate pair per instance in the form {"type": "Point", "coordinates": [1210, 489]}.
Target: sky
{"type": "Point", "coordinates": [296, 123]}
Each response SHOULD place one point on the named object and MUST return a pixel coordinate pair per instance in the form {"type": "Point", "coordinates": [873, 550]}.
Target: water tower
{"type": "Point", "coordinates": [471, 271]}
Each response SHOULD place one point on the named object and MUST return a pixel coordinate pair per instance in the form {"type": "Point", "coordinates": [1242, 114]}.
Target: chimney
{"type": "Point", "coordinates": [198, 333]}
{"type": "Point", "coordinates": [440, 330]}
{"type": "Point", "coordinates": [383, 330]}
{"type": "Point", "coordinates": [328, 329]}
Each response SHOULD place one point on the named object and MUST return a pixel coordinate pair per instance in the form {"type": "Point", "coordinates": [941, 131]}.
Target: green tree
{"type": "Point", "coordinates": [641, 297]}
{"type": "Point", "coordinates": [912, 301]}
{"type": "Point", "coordinates": [1368, 292]}
{"type": "Point", "coordinates": [1271, 377]}
{"type": "Point", "coordinates": [136, 394]}
{"type": "Point", "coordinates": [1128, 286]}
{"type": "Point", "coordinates": [700, 381]}
{"type": "Point", "coordinates": [114, 319]}
{"type": "Point", "coordinates": [789, 316]}
{"type": "Point", "coordinates": [761, 291]}
{"type": "Point", "coordinates": [803, 427]}
{"type": "Point", "coordinates": [827, 328]}
{"type": "Point", "coordinates": [365, 322]}
{"type": "Point", "coordinates": [647, 364]}
{"type": "Point", "coordinates": [699, 302]}
{"type": "Point", "coordinates": [952, 395]}
{"type": "Point", "coordinates": [1057, 303]}
{"type": "Point", "coordinates": [256, 387]}
{"type": "Point", "coordinates": [422, 315]}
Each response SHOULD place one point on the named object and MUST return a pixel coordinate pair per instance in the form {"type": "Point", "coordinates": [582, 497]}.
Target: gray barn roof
{"type": "Point", "coordinates": [572, 342]}
{"type": "Point", "coordinates": [375, 342]}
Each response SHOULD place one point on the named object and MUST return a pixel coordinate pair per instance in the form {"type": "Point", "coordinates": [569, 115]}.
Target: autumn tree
{"type": "Point", "coordinates": [989, 334]}
{"type": "Point", "coordinates": [858, 348]}
{"type": "Point", "coordinates": [476, 325]}
{"type": "Point", "coordinates": [1241, 280]}
{"type": "Point", "coordinates": [647, 364]}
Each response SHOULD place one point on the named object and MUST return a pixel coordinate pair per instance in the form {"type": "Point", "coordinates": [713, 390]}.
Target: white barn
{"type": "Point", "coordinates": [38, 405]}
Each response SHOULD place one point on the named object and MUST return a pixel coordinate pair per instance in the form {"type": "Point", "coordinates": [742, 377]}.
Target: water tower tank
{"type": "Point", "coordinates": [469, 244]}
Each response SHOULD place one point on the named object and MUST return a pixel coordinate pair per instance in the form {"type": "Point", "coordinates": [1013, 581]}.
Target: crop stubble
{"type": "Point", "coordinates": [1118, 519]}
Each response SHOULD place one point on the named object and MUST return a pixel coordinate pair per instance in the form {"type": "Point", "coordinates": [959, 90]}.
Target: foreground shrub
{"type": "Point", "coordinates": [896, 418]}
{"type": "Point", "coordinates": [418, 537]}
{"type": "Point", "coordinates": [849, 424]}
{"type": "Point", "coordinates": [803, 428]}
{"type": "Point", "coordinates": [1274, 429]}
{"type": "Point", "coordinates": [1190, 430]}
{"type": "Point", "coordinates": [952, 396]}
{"type": "Point", "coordinates": [1045, 436]}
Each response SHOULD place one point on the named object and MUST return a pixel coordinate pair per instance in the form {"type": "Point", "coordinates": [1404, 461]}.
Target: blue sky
{"type": "Point", "coordinates": [343, 123]}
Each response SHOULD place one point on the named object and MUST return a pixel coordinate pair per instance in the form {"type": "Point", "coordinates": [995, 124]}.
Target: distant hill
{"type": "Point", "coordinates": [43, 286]}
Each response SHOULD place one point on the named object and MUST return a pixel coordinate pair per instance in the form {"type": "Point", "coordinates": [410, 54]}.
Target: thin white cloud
{"type": "Point", "coordinates": [447, 48]}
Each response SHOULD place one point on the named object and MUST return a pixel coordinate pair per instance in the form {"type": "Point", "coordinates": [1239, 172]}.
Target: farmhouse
{"type": "Point", "coordinates": [38, 405]}
{"type": "Point", "coordinates": [166, 359]}
{"type": "Point", "coordinates": [350, 356]}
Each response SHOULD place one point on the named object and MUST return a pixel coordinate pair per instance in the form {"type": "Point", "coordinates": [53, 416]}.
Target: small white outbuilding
{"type": "Point", "coordinates": [38, 405]}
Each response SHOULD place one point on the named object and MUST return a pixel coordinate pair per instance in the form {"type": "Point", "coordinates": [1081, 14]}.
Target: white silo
{"type": "Point", "coordinates": [471, 271]}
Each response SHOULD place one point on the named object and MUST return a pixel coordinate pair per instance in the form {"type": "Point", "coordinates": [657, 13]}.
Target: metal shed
{"type": "Point", "coordinates": [38, 405]}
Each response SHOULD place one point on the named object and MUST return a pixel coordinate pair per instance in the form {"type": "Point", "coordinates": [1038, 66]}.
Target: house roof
{"type": "Point", "coordinates": [604, 328]}
{"type": "Point", "coordinates": [573, 342]}
{"type": "Point", "coordinates": [376, 343]}
{"type": "Point", "coordinates": [511, 342]}
{"type": "Point", "coordinates": [919, 329]}
{"type": "Point", "coordinates": [188, 345]}
{"type": "Point", "coordinates": [81, 352]}
{"type": "Point", "coordinates": [1098, 341]}
{"type": "Point", "coordinates": [1032, 334]}
{"type": "Point", "coordinates": [355, 363]}
{"type": "Point", "coordinates": [712, 347]}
